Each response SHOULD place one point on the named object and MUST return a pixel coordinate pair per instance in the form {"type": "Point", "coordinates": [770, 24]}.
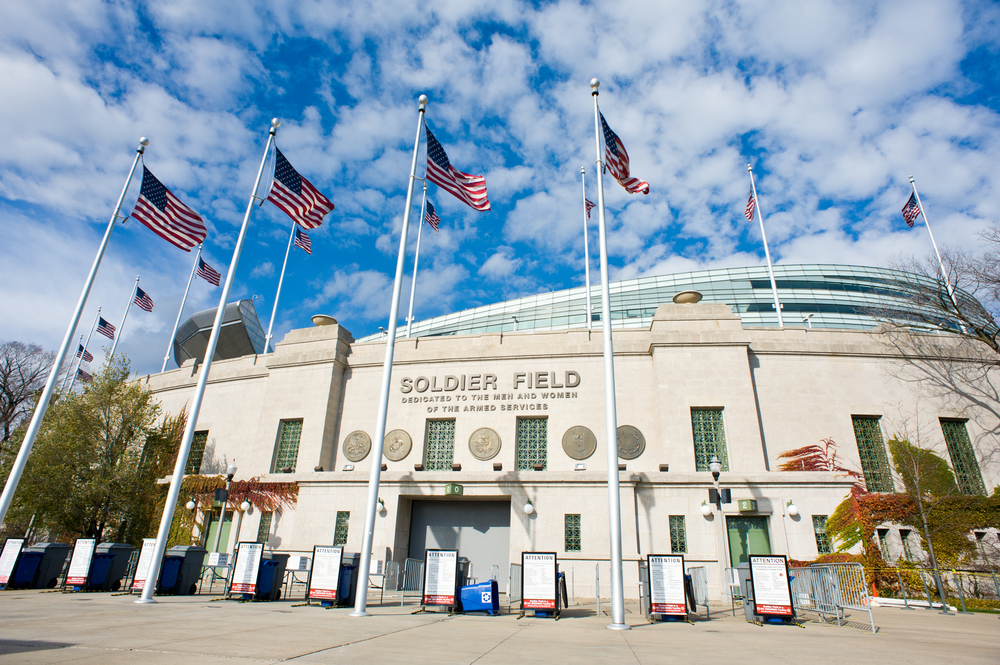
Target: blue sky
{"type": "Point", "coordinates": [835, 103]}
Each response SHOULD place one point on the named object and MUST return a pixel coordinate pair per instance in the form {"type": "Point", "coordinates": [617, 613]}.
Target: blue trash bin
{"type": "Point", "coordinates": [483, 597]}
{"type": "Point", "coordinates": [169, 573]}
{"type": "Point", "coordinates": [100, 570]}
{"type": "Point", "coordinates": [266, 579]}
{"type": "Point", "coordinates": [24, 574]}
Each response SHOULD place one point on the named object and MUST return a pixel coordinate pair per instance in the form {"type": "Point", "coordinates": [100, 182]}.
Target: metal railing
{"type": "Point", "coordinates": [514, 586]}
{"type": "Point", "coordinates": [699, 586]}
{"type": "Point", "coordinates": [391, 581]}
{"type": "Point", "coordinates": [413, 579]}
{"type": "Point", "coordinates": [831, 588]}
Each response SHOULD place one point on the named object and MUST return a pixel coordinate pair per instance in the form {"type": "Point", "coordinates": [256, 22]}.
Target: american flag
{"type": "Point", "coordinates": [751, 205]}
{"type": "Point", "coordinates": [105, 328]}
{"type": "Point", "coordinates": [296, 196]}
{"type": "Point", "coordinates": [208, 273]}
{"type": "Point", "coordinates": [432, 217]}
{"type": "Point", "coordinates": [302, 240]}
{"type": "Point", "coordinates": [143, 300]}
{"type": "Point", "coordinates": [88, 357]}
{"type": "Point", "coordinates": [617, 161]}
{"type": "Point", "coordinates": [590, 206]}
{"type": "Point", "coordinates": [469, 189]}
{"type": "Point", "coordinates": [911, 210]}
{"type": "Point", "coordinates": [166, 216]}
{"type": "Point", "coordinates": [85, 377]}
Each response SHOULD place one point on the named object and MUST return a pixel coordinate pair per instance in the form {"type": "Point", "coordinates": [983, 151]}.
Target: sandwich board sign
{"type": "Point", "coordinates": [539, 576]}
{"type": "Point", "coordinates": [246, 568]}
{"type": "Point", "coordinates": [324, 578]}
{"type": "Point", "coordinates": [666, 584]}
{"type": "Point", "coordinates": [9, 557]}
{"type": "Point", "coordinates": [142, 565]}
{"type": "Point", "coordinates": [440, 578]}
{"type": "Point", "coordinates": [772, 590]}
{"type": "Point", "coordinates": [79, 565]}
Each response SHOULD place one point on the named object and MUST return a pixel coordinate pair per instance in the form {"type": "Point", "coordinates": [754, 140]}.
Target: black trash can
{"type": "Point", "coordinates": [51, 566]}
{"type": "Point", "coordinates": [462, 579]}
{"type": "Point", "coordinates": [350, 570]}
{"type": "Point", "coordinates": [117, 555]}
{"type": "Point", "coordinates": [189, 571]}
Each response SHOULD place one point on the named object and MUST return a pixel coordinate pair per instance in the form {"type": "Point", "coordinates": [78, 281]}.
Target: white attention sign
{"type": "Point", "coordinates": [79, 565]}
{"type": "Point", "coordinates": [247, 568]}
{"type": "Point", "coordinates": [666, 584]}
{"type": "Point", "coordinates": [772, 592]}
{"type": "Point", "coordinates": [324, 580]}
{"type": "Point", "coordinates": [440, 571]}
{"type": "Point", "coordinates": [8, 558]}
{"type": "Point", "coordinates": [538, 581]}
{"type": "Point", "coordinates": [142, 566]}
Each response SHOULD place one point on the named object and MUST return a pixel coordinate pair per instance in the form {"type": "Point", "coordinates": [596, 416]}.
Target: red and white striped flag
{"type": "Point", "coordinates": [105, 328]}
{"type": "Point", "coordinates": [208, 273]}
{"type": "Point", "coordinates": [617, 160]}
{"type": "Point", "coordinates": [911, 210]}
{"type": "Point", "coordinates": [302, 240]}
{"type": "Point", "coordinates": [296, 196]}
{"type": "Point", "coordinates": [166, 216]}
{"type": "Point", "coordinates": [85, 377]}
{"type": "Point", "coordinates": [590, 206]}
{"type": "Point", "coordinates": [751, 206]}
{"type": "Point", "coordinates": [469, 189]}
{"type": "Point", "coordinates": [143, 300]}
{"type": "Point", "coordinates": [88, 357]}
{"type": "Point", "coordinates": [432, 218]}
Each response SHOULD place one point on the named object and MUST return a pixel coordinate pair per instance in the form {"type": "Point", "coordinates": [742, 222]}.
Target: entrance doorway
{"type": "Point", "coordinates": [747, 535]}
{"type": "Point", "coordinates": [479, 530]}
{"type": "Point", "coordinates": [213, 527]}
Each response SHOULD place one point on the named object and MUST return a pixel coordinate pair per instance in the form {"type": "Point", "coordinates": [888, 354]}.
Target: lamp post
{"type": "Point", "coordinates": [230, 472]}
{"type": "Point", "coordinates": [715, 466]}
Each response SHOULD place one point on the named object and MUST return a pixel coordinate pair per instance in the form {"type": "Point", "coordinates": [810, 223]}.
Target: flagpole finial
{"type": "Point", "coordinates": [583, 170]}
{"type": "Point", "coordinates": [143, 142]}
{"type": "Point", "coordinates": [911, 178]}
{"type": "Point", "coordinates": [749, 168]}
{"type": "Point", "coordinates": [594, 85]}
{"type": "Point", "coordinates": [422, 100]}
{"type": "Point", "coordinates": [275, 123]}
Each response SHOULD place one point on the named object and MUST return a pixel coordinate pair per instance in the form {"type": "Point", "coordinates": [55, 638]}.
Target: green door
{"type": "Point", "coordinates": [747, 535]}
{"type": "Point", "coordinates": [213, 527]}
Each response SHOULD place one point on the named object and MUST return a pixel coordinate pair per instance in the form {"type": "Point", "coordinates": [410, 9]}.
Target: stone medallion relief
{"type": "Point", "coordinates": [357, 445]}
{"type": "Point", "coordinates": [484, 444]}
{"type": "Point", "coordinates": [397, 445]}
{"type": "Point", "coordinates": [579, 442]}
{"type": "Point", "coordinates": [631, 442]}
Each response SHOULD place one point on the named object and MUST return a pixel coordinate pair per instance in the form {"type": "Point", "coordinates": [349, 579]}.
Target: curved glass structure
{"type": "Point", "coordinates": [820, 296]}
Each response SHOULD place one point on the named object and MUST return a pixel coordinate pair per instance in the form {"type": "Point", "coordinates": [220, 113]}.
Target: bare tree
{"type": "Point", "coordinates": [23, 370]}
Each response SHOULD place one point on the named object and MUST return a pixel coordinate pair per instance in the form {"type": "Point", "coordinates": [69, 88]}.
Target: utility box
{"type": "Point", "coordinates": [189, 571]}
{"type": "Point", "coordinates": [114, 558]}
{"type": "Point", "coordinates": [50, 566]}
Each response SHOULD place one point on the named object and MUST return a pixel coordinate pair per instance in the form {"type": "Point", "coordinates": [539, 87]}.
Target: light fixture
{"type": "Point", "coordinates": [231, 469]}
{"type": "Point", "coordinates": [246, 506]}
{"type": "Point", "coordinates": [580, 467]}
{"type": "Point", "coordinates": [528, 507]}
{"type": "Point", "coordinates": [190, 505]}
{"type": "Point", "coordinates": [793, 510]}
{"type": "Point", "coordinates": [715, 466]}
{"type": "Point", "coordinates": [706, 509]}
{"type": "Point", "coordinates": [381, 505]}
{"type": "Point", "coordinates": [348, 467]}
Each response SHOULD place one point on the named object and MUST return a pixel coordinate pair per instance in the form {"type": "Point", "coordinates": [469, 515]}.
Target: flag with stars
{"type": "Point", "coordinates": [143, 300]}
{"type": "Point", "coordinates": [617, 161]}
{"type": "Point", "coordinates": [105, 328]}
{"type": "Point", "coordinates": [302, 240]}
{"type": "Point", "coordinates": [590, 206]}
{"type": "Point", "coordinates": [208, 273]}
{"type": "Point", "coordinates": [432, 218]}
{"type": "Point", "coordinates": [166, 216]}
{"type": "Point", "coordinates": [469, 189]}
{"type": "Point", "coordinates": [911, 210]}
{"type": "Point", "coordinates": [85, 377]}
{"type": "Point", "coordinates": [296, 196]}
{"type": "Point", "coordinates": [751, 206]}
{"type": "Point", "coordinates": [88, 357]}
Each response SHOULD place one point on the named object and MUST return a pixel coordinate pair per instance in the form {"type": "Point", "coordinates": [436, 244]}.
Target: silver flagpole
{"type": "Point", "coordinates": [66, 380]}
{"type": "Point", "coordinates": [944, 273]}
{"type": "Point", "coordinates": [76, 370]}
{"type": "Point", "coordinates": [199, 392]}
{"type": "Point", "coordinates": [281, 280]}
{"type": "Point", "coordinates": [50, 384]}
{"type": "Point", "coordinates": [767, 253]}
{"type": "Point", "coordinates": [118, 333]}
{"type": "Point", "coordinates": [611, 414]}
{"type": "Point", "coordinates": [170, 342]}
{"type": "Point", "coordinates": [586, 247]}
{"type": "Point", "coordinates": [383, 406]}
{"type": "Point", "coordinates": [416, 259]}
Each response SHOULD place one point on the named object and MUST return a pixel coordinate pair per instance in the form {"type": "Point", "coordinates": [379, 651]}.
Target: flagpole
{"type": "Point", "coordinates": [586, 247]}
{"type": "Point", "coordinates": [416, 259]}
{"type": "Point", "coordinates": [281, 280]}
{"type": "Point", "coordinates": [66, 380]}
{"type": "Point", "coordinates": [177, 323]}
{"type": "Point", "coordinates": [199, 392]}
{"type": "Point", "coordinates": [43, 402]}
{"type": "Point", "coordinates": [378, 440]}
{"type": "Point", "coordinates": [76, 370]}
{"type": "Point", "coordinates": [611, 414]}
{"type": "Point", "coordinates": [944, 273]}
{"type": "Point", "coordinates": [767, 253]}
{"type": "Point", "coordinates": [118, 333]}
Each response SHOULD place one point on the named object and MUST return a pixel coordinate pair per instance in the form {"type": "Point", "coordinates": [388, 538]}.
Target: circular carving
{"type": "Point", "coordinates": [579, 442]}
{"type": "Point", "coordinates": [357, 446]}
{"type": "Point", "coordinates": [484, 444]}
{"type": "Point", "coordinates": [397, 445]}
{"type": "Point", "coordinates": [631, 442]}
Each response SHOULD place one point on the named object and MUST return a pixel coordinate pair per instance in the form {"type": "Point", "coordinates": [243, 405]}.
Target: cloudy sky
{"type": "Point", "coordinates": [834, 103]}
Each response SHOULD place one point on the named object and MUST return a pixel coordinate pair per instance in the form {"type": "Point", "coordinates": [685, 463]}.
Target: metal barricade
{"type": "Point", "coordinates": [831, 588]}
{"type": "Point", "coordinates": [731, 588]}
{"type": "Point", "coordinates": [495, 573]}
{"type": "Point", "coordinates": [391, 580]}
{"type": "Point", "coordinates": [514, 585]}
{"type": "Point", "coordinates": [699, 585]}
{"type": "Point", "coordinates": [413, 579]}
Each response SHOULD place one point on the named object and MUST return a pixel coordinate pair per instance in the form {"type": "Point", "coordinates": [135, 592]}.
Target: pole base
{"type": "Point", "coordinates": [144, 601]}
{"type": "Point", "coordinates": [618, 626]}
{"type": "Point", "coordinates": [359, 613]}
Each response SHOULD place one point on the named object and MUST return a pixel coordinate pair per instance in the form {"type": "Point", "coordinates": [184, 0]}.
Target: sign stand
{"type": "Point", "coordinates": [772, 590]}
{"type": "Point", "coordinates": [142, 565]}
{"type": "Point", "coordinates": [246, 569]}
{"type": "Point", "coordinates": [666, 587]}
{"type": "Point", "coordinates": [324, 576]}
{"type": "Point", "coordinates": [9, 558]}
{"type": "Point", "coordinates": [539, 584]}
{"type": "Point", "coordinates": [440, 580]}
{"type": "Point", "coordinates": [81, 564]}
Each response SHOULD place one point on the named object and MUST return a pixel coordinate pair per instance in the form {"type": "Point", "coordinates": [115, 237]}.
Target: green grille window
{"type": "Point", "coordinates": [871, 450]}
{"type": "Point", "coordinates": [340, 531]}
{"type": "Point", "coordinates": [288, 445]}
{"type": "Point", "coordinates": [822, 540]}
{"type": "Point", "coordinates": [572, 533]}
{"type": "Point", "coordinates": [963, 458]}
{"type": "Point", "coordinates": [904, 536]}
{"type": "Point", "coordinates": [440, 445]}
{"type": "Point", "coordinates": [532, 442]}
{"type": "Point", "coordinates": [883, 543]}
{"type": "Point", "coordinates": [264, 530]}
{"type": "Point", "coordinates": [197, 453]}
{"type": "Point", "coordinates": [709, 438]}
{"type": "Point", "coordinates": [678, 535]}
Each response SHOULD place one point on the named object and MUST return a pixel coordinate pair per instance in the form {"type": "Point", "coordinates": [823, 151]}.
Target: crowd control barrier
{"type": "Point", "coordinates": [699, 587]}
{"type": "Point", "coordinates": [413, 579]}
{"type": "Point", "coordinates": [830, 589]}
{"type": "Point", "coordinates": [514, 586]}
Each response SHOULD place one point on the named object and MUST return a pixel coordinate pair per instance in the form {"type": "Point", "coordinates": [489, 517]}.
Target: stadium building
{"type": "Point", "coordinates": [507, 401]}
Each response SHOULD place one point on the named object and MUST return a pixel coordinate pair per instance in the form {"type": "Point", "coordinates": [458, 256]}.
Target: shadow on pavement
{"type": "Point", "coordinates": [21, 646]}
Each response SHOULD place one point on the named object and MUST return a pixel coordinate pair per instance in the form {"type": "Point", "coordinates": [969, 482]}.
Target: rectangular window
{"type": "Point", "coordinates": [822, 540]}
{"type": "Point", "coordinates": [572, 533]}
{"type": "Point", "coordinates": [904, 536]}
{"type": "Point", "coordinates": [963, 458]}
{"type": "Point", "coordinates": [678, 535]}
{"type": "Point", "coordinates": [264, 530]}
{"type": "Point", "coordinates": [709, 438]}
{"type": "Point", "coordinates": [883, 543]}
{"type": "Point", "coordinates": [440, 445]}
{"type": "Point", "coordinates": [197, 453]}
{"type": "Point", "coordinates": [340, 531]}
{"type": "Point", "coordinates": [532, 442]}
{"type": "Point", "coordinates": [871, 450]}
{"type": "Point", "coordinates": [288, 446]}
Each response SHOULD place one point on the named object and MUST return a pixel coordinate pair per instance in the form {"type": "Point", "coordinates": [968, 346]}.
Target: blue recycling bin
{"type": "Point", "coordinates": [24, 574]}
{"type": "Point", "coordinates": [100, 568]}
{"type": "Point", "coordinates": [266, 579]}
{"type": "Point", "coordinates": [169, 573]}
{"type": "Point", "coordinates": [483, 597]}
